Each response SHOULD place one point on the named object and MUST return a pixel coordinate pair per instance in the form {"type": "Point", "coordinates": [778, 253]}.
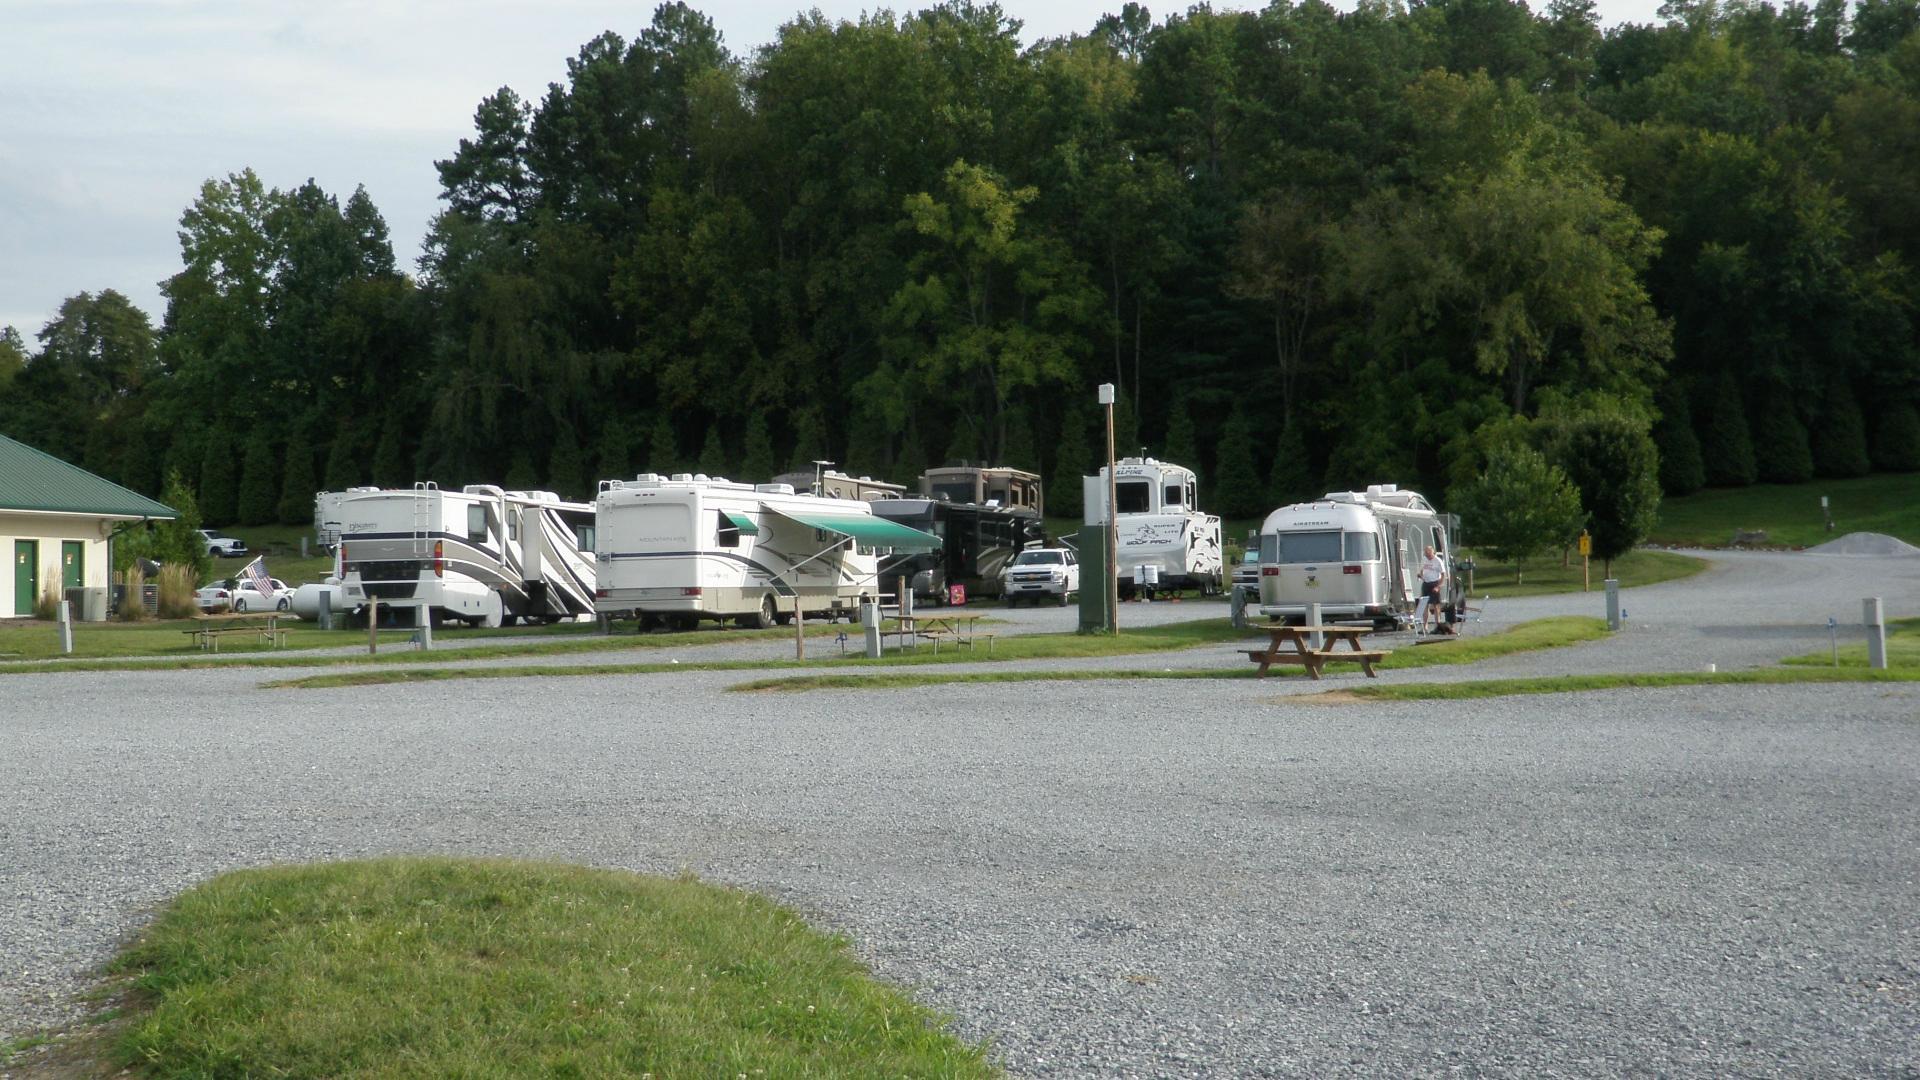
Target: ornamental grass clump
{"type": "Point", "coordinates": [176, 592]}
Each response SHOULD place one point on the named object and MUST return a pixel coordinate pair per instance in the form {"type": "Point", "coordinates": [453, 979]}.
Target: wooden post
{"type": "Point", "coordinates": [799, 629]}
{"type": "Point", "coordinates": [373, 625]}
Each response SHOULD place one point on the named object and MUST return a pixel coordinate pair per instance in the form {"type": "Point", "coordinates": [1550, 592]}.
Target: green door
{"type": "Point", "coordinates": [26, 575]}
{"type": "Point", "coordinates": [73, 564]}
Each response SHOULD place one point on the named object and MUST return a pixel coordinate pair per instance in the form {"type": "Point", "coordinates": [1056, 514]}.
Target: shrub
{"type": "Point", "coordinates": [1780, 451]}
{"type": "Point", "coordinates": [1728, 445]}
{"type": "Point", "coordinates": [1840, 439]}
{"type": "Point", "coordinates": [297, 490]}
{"type": "Point", "coordinates": [1520, 505]}
{"type": "Point", "coordinates": [177, 584]}
{"type": "Point", "coordinates": [48, 605]}
{"type": "Point", "coordinates": [1683, 469]}
{"type": "Point", "coordinates": [1896, 445]}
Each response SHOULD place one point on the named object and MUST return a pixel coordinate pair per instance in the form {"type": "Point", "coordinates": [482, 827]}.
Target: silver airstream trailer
{"type": "Point", "coordinates": [1355, 553]}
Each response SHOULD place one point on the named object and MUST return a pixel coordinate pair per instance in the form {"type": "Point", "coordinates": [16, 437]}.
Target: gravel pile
{"type": "Point", "coordinates": [1188, 878]}
{"type": "Point", "coordinates": [1866, 543]}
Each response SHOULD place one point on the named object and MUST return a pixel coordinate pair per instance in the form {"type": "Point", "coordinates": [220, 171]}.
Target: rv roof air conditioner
{"type": "Point", "coordinates": [774, 489]}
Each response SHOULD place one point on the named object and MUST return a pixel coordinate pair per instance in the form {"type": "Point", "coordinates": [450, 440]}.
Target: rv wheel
{"type": "Point", "coordinates": [1063, 599]}
{"type": "Point", "coordinates": [768, 612]}
{"type": "Point", "coordinates": [649, 622]}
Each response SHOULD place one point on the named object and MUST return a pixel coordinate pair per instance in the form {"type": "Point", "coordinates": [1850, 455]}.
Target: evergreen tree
{"type": "Point", "coordinates": [297, 491]}
{"type": "Point", "coordinates": [614, 451]}
{"type": "Point", "coordinates": [178, 542]}
{"type": "Point", "coordinates": [713, 452]}
{"type": "Point", "coordinates": [1896, 444]}
{"type": "Point", "coordinates": [1181, 446]}
{"type": "Point", "coordinates": [663, 454]}
{"type": "Point", "coordinates": [1126, 431]}
{"type": "Point", "coordinates": [1291, 480]}
{"type": "Point", "coordinates": [1020, 451]}
{"type": "Point", "coordinates": [343, 459]}
{"type": "Point", "coordinates": [758, 461]}
{"type": "Point", "coordinates": [911, 461]}
{"type": "Point", "coordinates": [1613, 463]}
{"type": "Point", "coordinates": [567, 468]}
{"type": "Point", "coordinates": [219, 493]}
{"type": "Point", "coordinates": [1728, 445]}
{"type": "Point", "coordinates": [810, 439]}
{"type": "Point", "coordinates": [521, 475]}
{"type": "Point", "coordinates": [1072, 462]}
{"type": "Point", "coordinates": [390, 467]}
{"type": "Point", "coordinates": [964, 444]}
{"type": "Point", "coordinates": [1780, 451]}
{"type": "Point", "coordinates": [1683, 469]}
{"type": "Point", "coordinates": [1840, 439]}
{"type": "Point", "coordinates": [1236, 486]}
{"type": "Point", "coordinates": [259, 480]}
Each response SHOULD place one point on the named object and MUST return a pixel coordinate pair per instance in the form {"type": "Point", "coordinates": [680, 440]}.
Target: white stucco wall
{"type": "Point", "coordinates": [49, 531]}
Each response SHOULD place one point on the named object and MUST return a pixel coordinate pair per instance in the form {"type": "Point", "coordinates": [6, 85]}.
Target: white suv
{"type": "Point", "coordinates": [1038, 572]}
{"type": "Point", "coordinates": [224, 546]}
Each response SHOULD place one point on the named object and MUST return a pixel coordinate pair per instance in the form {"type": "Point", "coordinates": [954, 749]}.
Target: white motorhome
{"type": "Point", "coordinates": [1355, 553]}
{"type": "Point", "coordinates": [689, 547]}
{"type": "Point", "coordinates": [488, 556]}
{"type": "Point", "coordinates": [1162, 537]}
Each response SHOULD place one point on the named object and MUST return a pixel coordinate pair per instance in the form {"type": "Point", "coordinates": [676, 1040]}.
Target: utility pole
{"type": "Point", "coordinates": [1113, 540]}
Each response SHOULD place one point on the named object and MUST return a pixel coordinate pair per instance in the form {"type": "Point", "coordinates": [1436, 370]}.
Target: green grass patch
{"type": "Point", "coordinates": [443, 967]}
{"type": "Point", "coordinates": [1526, 637]}
{"type": "Point", "coordinates": [1903, 649]}
{"type": "Point", "coordinates": [1567, 684]}
{"type": "Point", "coordinates": [1540, 577]}
{"type": "Point", "coordinates": [1790, 513]}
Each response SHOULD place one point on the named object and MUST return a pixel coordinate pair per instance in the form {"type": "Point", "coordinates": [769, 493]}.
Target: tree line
{"type": "Point", "coordinates": [1313, 249]}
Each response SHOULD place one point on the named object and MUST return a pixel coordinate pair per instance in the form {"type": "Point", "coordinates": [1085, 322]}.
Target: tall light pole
{"type": "Point", "coordinates": [1113, 538]}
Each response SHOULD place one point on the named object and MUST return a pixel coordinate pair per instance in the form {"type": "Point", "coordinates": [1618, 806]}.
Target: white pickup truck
{"type": "Point", "coordinates": [224, 546]}
{"type": "Point", "coordinates": [1041, 572]}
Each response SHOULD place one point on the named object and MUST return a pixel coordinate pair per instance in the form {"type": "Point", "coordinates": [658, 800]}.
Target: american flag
{"type": "Point", "coordinates": [256, 574]}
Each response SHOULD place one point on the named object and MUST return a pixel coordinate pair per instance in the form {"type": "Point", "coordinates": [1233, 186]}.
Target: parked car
{"type": "Point", "coordinates": [214, 597]}
{"type": "Point", "coordinates": [247, 598]}
{"type": "Point", "coordinates": [1038, 572]}
{"type": "Point", "coordinates": [1247, 574]}
{"type": "Point", "coordinates": [224, 546]}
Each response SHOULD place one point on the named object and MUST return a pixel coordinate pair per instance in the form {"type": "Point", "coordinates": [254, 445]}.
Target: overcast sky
{"type": "Point", "coordinates": [113, 113]}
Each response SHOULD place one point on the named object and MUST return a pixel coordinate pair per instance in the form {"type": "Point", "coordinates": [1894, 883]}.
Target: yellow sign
{"type": "Point", "coordinates": [1586, 545]}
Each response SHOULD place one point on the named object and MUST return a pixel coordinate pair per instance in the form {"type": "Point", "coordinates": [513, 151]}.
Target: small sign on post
{"type": "Point", "coordinates": [1586, 565]}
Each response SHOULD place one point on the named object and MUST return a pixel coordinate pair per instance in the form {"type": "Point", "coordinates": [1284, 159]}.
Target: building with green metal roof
{"type": "Point", "coordinates": [55, 522]}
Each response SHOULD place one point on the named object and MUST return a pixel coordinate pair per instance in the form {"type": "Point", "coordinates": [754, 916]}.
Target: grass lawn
{"type": "Point", "coordinates": [1545, 575]}
{"type": "Point", "coordinates": [482, 968]}
{"type": "Point", "coordinates": [1903, 649]}
{"type": "Point", "coordinates": [1567, 684]}
{"type": "Point", "coordinates": [1526, 637]}
{"type": "Point", "coordinates": [1790, 513]}
{"type": "Point", "coordinates": [280, 544]}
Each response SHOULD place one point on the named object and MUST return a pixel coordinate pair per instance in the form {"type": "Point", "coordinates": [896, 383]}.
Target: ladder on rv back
{"type": "Point", "coordinates": [423, 491]}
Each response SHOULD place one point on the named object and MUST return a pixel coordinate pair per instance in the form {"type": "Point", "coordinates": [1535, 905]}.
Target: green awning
{"type": "Point", "coordinates": [743, 523]}
{"type": "Point", "coordinates": [866, 529]}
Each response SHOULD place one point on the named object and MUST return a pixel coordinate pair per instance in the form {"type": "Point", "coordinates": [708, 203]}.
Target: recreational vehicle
{"type": "Point", "coordinates": [1162, 538]}
{"type": "Point", "coordinates": [688, 547]}
{"type": "Point", "coordinates": [838, 485]}
{"type": "Point", "coordinates": [984, 485]}
{"type": "Point", "coordinates": [488, 556]}
{"type": "Point", "coordinates": [1355, 553]}
{"type": "Point", "coordinates": [977, 542]}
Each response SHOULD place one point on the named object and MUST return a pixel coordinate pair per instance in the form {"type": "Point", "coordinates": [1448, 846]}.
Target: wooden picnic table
{"type": "Point", "coordinates": [267, 628]}
{"type": "Point", "coordinates": [959, 629]}
{"type": "Point", "coordinates": [1294, 645]}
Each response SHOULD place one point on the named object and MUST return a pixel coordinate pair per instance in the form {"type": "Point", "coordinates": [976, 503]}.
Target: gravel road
{"type": "Point", "coordinates": [1124, 878]}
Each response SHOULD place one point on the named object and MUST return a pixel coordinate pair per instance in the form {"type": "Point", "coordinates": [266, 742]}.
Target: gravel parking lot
{"type": "Point", "coordinates": [1181, 879]}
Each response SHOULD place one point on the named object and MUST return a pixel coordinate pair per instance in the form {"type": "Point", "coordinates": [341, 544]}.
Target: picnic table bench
{"type": "Point", "coordinates": [1294, 645]}
{"type": "Point", "coordinates": [956, 629]}
{"type": "Point", "coordinates": [267, 629]}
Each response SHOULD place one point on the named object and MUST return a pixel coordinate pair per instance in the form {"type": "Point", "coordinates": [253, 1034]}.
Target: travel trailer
{"type": "Point", "coordinates": [977, 542]}
{"type": "Point", "coordinates": [985, 485]}
{"type": "Point", "coordinates": [1355, 553]}
{"type": "Point", "coordinates": [488, 556]}
{"type": "Point", "coordinates": [689, 547]}
{"type": "Point", "coordinates": [1162, 539]}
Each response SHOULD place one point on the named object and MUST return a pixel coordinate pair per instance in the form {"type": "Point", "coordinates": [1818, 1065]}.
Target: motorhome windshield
{"type": "Point", "coordinates": [1133, 496]}
{"type": "Point", "coordinates": [1038, 558]}
{"type": "Point", "coordinates": [1315, 547]}
{"type": "Point", "coordinates": [961, 491]}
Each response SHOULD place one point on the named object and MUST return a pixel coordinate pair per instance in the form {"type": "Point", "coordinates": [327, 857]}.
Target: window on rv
{"type": "Point", "coordinates": [1133, 496]}
{"type": "Point", "coordinates": [1300, 547]}
{"type": "Point", "coordinates": [1362, 547]}
{"type": "Point", "coordinates": [583, 537]}
{"type": "Point", "coordinates": [477, 524]}
{"type": "Point", "coordinates": [729, 535]}
{"type": "Point", "coordinates": [1173, 495]}
{"type": "Point", "coordinates": [513, 525]}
